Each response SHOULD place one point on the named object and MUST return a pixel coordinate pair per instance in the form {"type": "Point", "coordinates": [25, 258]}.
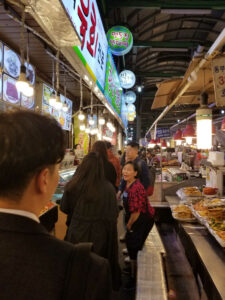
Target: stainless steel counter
{"type": "Point", "coordinates": [206, 256]}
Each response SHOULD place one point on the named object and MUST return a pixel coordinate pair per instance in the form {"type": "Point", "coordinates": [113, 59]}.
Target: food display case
{"type": "Point", "coordinates": [49, 215]}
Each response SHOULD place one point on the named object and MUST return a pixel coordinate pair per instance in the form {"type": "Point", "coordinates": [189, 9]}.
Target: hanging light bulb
{"type": "Point", "coordinates": [52, 99]}
{"type": "Point", "coordinates": [22, 83]}
{"type": "Point", "coordinates": [101, 120]}
{"type": "Point", "coordinates": [58, 103]}
{"type": "Point", "coordinates": [82, 127]}
{"type": "Point", "coordinates": [91, 121]}
{"type": "Point", "coordinates": [87, 130]}
{"type": "Point", "coordinates": [204, 124]}
{"type": "Point", "coordinates": [28, 91]}
{"type": "Point", "coordinates": [109, 124]}
{"type": "Point", "coordinates": [65, 107]}
{"type": "Point", "coordinates": [113, 129]}
{"type": "Point", "coordinates": [81, 115]}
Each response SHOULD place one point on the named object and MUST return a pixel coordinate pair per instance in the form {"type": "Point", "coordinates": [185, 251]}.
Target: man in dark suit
{"type": "Point", "coordinates": [34, 264]}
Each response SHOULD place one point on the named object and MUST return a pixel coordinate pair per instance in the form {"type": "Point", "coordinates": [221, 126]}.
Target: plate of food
{"type": "Point", "coordinates": [10, 92]}
{"type": "Point", "coordinates": [210, 192]}
{"type": "Point", "coordinates": [182, 213]}
{"type": "Point", "coordinates": [11, 63]}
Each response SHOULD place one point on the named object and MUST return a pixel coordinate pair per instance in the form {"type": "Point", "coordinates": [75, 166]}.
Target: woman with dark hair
{"type": "Point", "coordinates": [90, 202]}
{"type": "Point", "coordinates": [138, 213]}
{"type": "Point", "coordinates": [109, 170]}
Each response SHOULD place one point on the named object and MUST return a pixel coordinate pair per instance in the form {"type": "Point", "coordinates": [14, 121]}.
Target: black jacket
{"type": "Point", "coordinates": [36, 265]}
{"type": "Point", "coordinates": [94, 221]}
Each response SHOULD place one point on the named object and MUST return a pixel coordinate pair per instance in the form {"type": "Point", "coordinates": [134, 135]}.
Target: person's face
{"type": "Point", "coordinates": [131, 153]}
{"type": "Point", "coordinates": [129, 173]}
{"type": "Point", "coordinates": [78, 147]}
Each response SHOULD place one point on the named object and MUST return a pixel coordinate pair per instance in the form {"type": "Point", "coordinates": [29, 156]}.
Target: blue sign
{"type": "Point", "coordinates": [163, 133]}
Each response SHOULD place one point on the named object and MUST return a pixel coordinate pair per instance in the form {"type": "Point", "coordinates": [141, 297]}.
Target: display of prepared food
{"type": "Point", "coordinates": [187, 193]}
{"type": "Point", "coordinates": [182, 213]}
{"type": "Point", "coordinates": [212, 215]}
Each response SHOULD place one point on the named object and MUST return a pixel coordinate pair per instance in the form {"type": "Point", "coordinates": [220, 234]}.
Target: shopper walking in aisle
{"type": "Point", "coordinates": [90, 202]}
{"type": "Point", "coordinates": [109, 170]}
{"type": "Point", "coordinates": [138, 213]}
{"type": "Point", "coordinates": [34, 264]}
{"type": "Point", "coordinates": [115, 161]}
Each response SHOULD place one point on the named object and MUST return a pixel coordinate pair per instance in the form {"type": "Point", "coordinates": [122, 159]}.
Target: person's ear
{"type": "Point", "coordinates": [42, 181]}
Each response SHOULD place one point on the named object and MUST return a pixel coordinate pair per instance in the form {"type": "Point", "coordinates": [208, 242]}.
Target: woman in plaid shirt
{"type": "Point", "coordinates": [138, 212]}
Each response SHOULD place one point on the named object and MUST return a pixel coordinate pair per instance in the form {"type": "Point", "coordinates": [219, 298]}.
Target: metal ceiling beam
{"type": "Point", "coordinates": [200, 4]}
{"type": "Point", "coordinates": [180, 45]}
{"type": "Point", "coordinates": [158, 74]}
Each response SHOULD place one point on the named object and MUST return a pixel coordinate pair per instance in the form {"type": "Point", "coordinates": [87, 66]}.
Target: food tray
{"type": "Point", "coordinates": [174, 214]}
{"type": "Point", "coordinates": [192, 220]}
{"type": "Point", "coordinates": [213, 233]}
{"type": "Point", "coordinates": [201, 219]}
{"type": "Point", "coordinates": [204, 221]}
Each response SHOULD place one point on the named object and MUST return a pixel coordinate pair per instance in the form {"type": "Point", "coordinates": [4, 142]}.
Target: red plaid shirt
{"type": "Point", "coordinates": [137, 198]}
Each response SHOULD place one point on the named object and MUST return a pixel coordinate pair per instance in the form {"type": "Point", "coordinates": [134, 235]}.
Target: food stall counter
{"type": "Point", "coordinates": [206, 256]}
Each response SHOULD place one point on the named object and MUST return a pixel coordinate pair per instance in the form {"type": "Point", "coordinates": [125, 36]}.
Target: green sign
{"type": "Point", "coordinates": [113, 89]}
{"type": "Point", "coordinates": [120, 40]}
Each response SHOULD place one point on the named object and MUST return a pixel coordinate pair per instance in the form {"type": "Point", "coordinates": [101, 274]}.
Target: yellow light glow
{"type": "Point", "coordinates": [189, 140]}
{"type": "Point", "coordinates": [204, 136]}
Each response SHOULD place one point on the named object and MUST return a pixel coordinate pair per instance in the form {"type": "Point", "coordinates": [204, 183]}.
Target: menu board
{"type": "Point", "coordinates": [10, 92]}
{"type": "Point", "coordinates": [113, 89]}
{"type": "Point", "coordinates": [11, 70]}
{"type": "Point", "coordinates": [64, 118]}
{"type": "Point", "coordinates": [93, 52]}
{"type": "Point", "coordinates": [11, 63]}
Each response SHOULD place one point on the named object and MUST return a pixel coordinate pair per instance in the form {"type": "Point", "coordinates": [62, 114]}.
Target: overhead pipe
{"type": "Point", "coordinates": [217, 45]}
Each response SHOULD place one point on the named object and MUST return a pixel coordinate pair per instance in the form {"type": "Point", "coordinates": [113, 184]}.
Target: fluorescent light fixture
{"type": "Point", "coordinates": [183, 11]}
{"type": "Point", "coordinates": [204, 128]}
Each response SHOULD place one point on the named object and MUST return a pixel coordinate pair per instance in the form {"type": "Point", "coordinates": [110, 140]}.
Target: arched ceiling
{"type": "Point", "coordinates": [166, 35]}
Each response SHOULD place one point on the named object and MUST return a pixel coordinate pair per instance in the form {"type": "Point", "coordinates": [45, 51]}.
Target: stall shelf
{"type": "Point", "coordinates": [205, 255]}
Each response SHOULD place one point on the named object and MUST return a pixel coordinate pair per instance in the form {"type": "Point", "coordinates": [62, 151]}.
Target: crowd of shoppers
{"type": "Point", "coordinates": [36, 265]}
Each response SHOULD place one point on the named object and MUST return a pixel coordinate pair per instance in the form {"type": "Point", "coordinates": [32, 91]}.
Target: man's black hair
{"type": "Point", "coordinates": [133, 145]}
{"type": "Point", "coordinates": [108, 145]}
{"type": "Point", "coordinates": [29, 142]}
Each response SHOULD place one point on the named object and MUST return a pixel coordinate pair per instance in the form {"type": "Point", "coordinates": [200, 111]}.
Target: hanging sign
{"type": "Point", "coordinates": [120, 40]}
{"type": "Point", "coordinates": [218, 70]}
{"type": "Point", "coordinates": [131, 108]}
{"type": "Point", "coordinates": [130, 97]}
{"type": "Point", "coordinates": [113, 90]}
{"type": "Point", "coordinates": [127, 79]}
{"type": "Point", "coordinates": [163, 133]}
{"type": "Point", "coordinates": [93, 51]}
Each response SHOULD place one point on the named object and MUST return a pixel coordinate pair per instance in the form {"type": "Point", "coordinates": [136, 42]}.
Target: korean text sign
{"type": "Point", "coordinates": [218, 70]}
{"type": "Point", "coordinates": [85, 16]}
{"type": "Point", "coordinates": [113, 89]}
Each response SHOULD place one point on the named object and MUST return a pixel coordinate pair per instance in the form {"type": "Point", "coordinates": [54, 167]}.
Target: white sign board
{"type": "Point", "coordinates": [127, 79]}
{"type": "Point", "coordinates": [218, 70]}
{"type": "Point", "coordinates": [130, 97]}
{"type": "Point", "coordinates": [85, 16]}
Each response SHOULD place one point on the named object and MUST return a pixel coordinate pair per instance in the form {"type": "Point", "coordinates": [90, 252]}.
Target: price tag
{"type": "Point", "coordinates": [218, 70]}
